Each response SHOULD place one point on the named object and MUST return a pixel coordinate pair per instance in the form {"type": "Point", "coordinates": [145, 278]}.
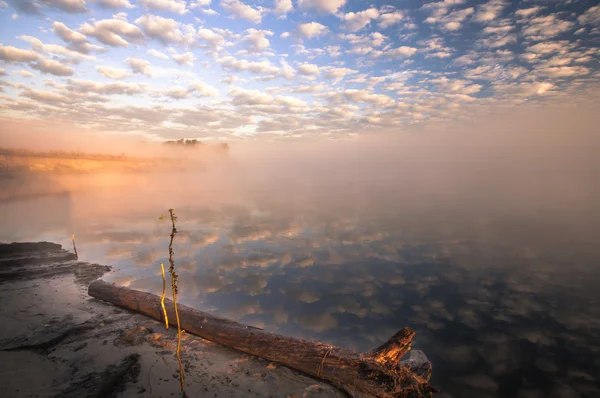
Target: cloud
{"type": "Point", "coordinates": [39, 46]}
{"type": "Point", "coordinates": [213, 40]}
{"type": "Point", "coordinates": [157, 54]}
{"type": "Point", "coordinates": [490, 11]}
{"type": "Point", "coordinates": [140, 66]}
{"type": "Point", "coordinates": [113, 73]}
{"type": "Point", "coordinates": [24, 73]}
{"type": "Point", "coordinates": [208, 11]}
{"type": "Point", "coordinates": [14, 54]}
{"type": "Point", "coordinates": [166, 30]}
{"type": "Point", "coordinates": [563, 71]}
{"type": "Point", "coordinates": [200, 3]}
{"type": "Point", "coordinates": [389, 19]}
{"type": "Point", "coordinates": [186, 58]}
{"type": "Point", "coordinates": [47, 96]}
{"type": "Point", "coordinates": [590, 17]}
{"type": "Point", "coordinates": [454, 20]}
{"type": "Point", "coordinates": [545, 27]}
{"type": "Point", "coordinates": [282, 7]}
{"type": "Point", "coordinates": [116, 88]}
{"type": "Point", "coordinates": [310, 30]}
{"type": "Point", "coordinates": [35, 7]}
{"type": "Point", "coordinates": [174, 6]}
{"type": "Point", "coordinates": [367, 97]}
{"type": "Point", "coordinates": [402, 51]}
{"type": "Point", "coordinates": [262, 67]}
{"type": "Point", "coordinates": [52, 67]}
{"type": "Point", "coordinates": [242, 10]}
{"type": "Point", "coordinates": [308, 69]}
{"type": "Point", "coordinates": [338, 73]}
{"type": "Point", "coordinates": [113, 32]}
{"type": "Point", "coordinates": [357, 21]}
{"type": "Point", "coordinates": [77, 41]}
{"type": "Point", "coordinates": [27, 6]}
{"type": "Point", "coordinates": [441, 8]}
{"type": "Point", "coordinates": [527, 12]}
{"type": "Point", "coordinates": [256, 40]}
{"type": "Point", "coordinates": [327, 6]}
{"type": "Point", "coordinates": [114, 3]}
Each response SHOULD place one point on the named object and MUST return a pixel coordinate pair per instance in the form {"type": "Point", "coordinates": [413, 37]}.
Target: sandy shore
{"type": "Point", "coordinates": [56, 341]}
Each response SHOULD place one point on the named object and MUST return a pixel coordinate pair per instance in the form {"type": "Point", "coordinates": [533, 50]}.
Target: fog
{"type": "Point", "coordinates": [535, 166]}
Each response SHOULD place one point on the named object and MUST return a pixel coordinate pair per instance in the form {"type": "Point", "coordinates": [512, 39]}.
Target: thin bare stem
{"type": "Point", "coordinates": [174, 280]}
{"type": "Point", "coordinates": [164, 292]}
{"type": "Point", "coordinates": [74, 247]}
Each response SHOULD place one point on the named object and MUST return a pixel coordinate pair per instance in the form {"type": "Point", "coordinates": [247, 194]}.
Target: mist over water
{"type": "Point", "coordinates": [480, 237]}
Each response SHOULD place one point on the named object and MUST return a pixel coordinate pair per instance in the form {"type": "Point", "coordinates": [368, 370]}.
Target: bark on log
{"type": "Point", "coordinates": [377, 373]}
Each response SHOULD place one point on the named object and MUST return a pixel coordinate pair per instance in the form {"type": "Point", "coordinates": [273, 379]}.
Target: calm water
{"type": "Point", "coordinates": [503, 290]}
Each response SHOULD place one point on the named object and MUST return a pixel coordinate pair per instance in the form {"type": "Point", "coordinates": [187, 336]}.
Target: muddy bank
{"type": "Point", "coordinates": [56, 341]}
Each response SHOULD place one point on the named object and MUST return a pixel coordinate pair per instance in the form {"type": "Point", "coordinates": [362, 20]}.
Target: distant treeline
{"type": "Point", "coordinates": [17, 152]}
{"type": "Point", "coordinates": [194, 144]}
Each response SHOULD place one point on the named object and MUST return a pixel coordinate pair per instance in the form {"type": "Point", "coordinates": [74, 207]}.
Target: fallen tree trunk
{"type": "Point", "coordinates": [376, 373]}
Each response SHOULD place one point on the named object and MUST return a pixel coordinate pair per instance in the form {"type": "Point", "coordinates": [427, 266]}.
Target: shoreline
{"type": "Point", "coordinates": [57, 341]}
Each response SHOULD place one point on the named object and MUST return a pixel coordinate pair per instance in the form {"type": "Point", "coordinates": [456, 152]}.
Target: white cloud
{"type": "Point", "coordinates": [166, 30]}
{"type": "Point", "coordinates": [113, 32]}
{"type": "Point", "coordinates": [213, 40]}
{"type": "Point", "coordinates": [357, 21]}
{"type": "Point", "coordinates": [208, 11]}
{"type": "Point", "coordinates": [308, 69]}
{"type": "Point", "coordinates": [204, 89]}
{"type": "Point", "coordinates": [441, 8]}
{"type": "Point", "coordinates": [545, 27]}
{"type": "Point", "coordinates": [114, 3]}
{"type": "Point", "coordinates": [527, 12]}
{"type": "Point", "coordinates": [590, 17]}
{"type": "Point", "coordinates": [47, 96]}
{"type": "Point", "coordinates": [563, 71]}
{"type": "Point", "coordinates": [52, 67]}
{"type": "Point", "coordinates": [389, 19]}
{"type": "Point", "coordinates": [39, 46]}
{"type": "Point", "coordinates": [256, 40]}
{"type": "Point", "coordinates": [242, 10]}
{"type": "Point", "coordinates": [402, 51]}
{"type": "Point", "coordinates": [76, 40]}
{"type": "Point", "coordinates": [262, 67]}
{"type": "Point", "coordinates": [24, 73]}
{"type": "Point", "coordinates": [115, 88]}
{"type": "Point", "coordinates": [489, 11]}
{"type": "Point", "coordinates": [174, 6]}
{"type": "Point", "coordinates": [14, 54]}
{"type": "Point", "coordinates": [186, 58]}
{"type": "Point", "coordinates": [140, 66]}
{"type": "Point", "coordinates": [338, 73]}
{"type": "Point", "coordinates": [379, 100]}
{"type": "Point", "coordinates": [70, 6]}
{"type": "Point", "coordinates": [113, 73]}
{"type": "Point", "coordinates": [329, 6]}
{"type": "Point", "coordinates": [311, 29]}
{"type": "Point", "coordinates": [200, 3]}
{"type": "Point", "coordinates": [282, 7]}
{"type": "Point", "coordinates": [157, 54]}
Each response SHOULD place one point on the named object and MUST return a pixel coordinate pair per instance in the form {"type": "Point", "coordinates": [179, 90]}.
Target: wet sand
{"type": "Point", "coordinates": [56, 341]}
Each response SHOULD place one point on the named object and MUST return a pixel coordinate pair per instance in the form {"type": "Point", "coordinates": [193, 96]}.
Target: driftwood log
{"type": "Point", "coordinates": [377, 373]}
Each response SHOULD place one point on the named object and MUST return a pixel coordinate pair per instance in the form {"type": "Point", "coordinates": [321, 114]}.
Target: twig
{"type": "Point", "coordinates": [174, 280]}
{"type": "Point", "coordinates": [164, 292]}
{"type": "Point", "coordinates": [74, 247]}
{"type": "Point", "coordinates": [323, 362]}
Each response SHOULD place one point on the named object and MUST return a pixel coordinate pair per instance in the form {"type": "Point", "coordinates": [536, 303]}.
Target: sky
{"type": "Point", "coordinates": [230, 70]}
